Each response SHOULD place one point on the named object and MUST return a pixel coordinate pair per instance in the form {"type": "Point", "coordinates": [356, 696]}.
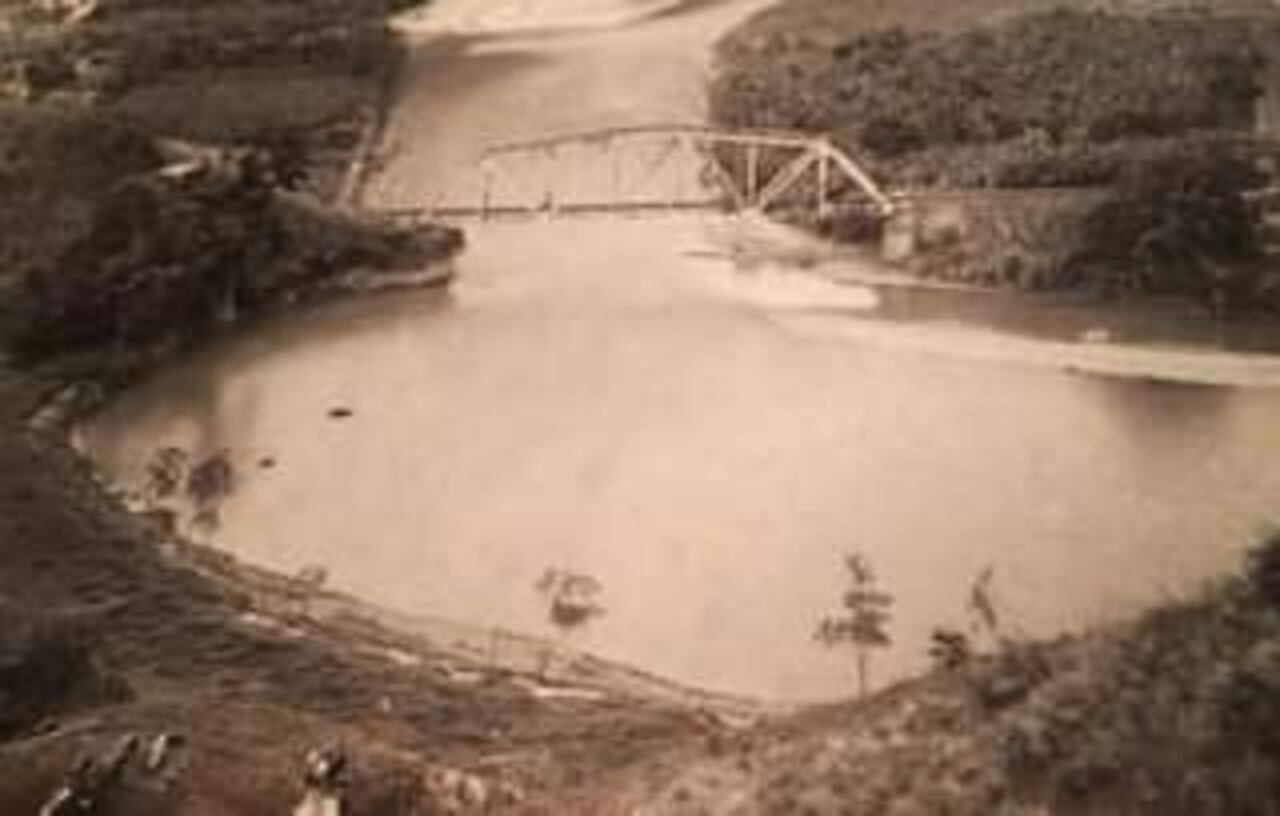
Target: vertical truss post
{"type": "Point", "coordinates": [824, 178]}
{"type": "Point", "coordinates": [753, 175]}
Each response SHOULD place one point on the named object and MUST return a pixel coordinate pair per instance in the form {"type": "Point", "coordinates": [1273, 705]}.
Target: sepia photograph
{"type": "Point", "coordinates": [640, 407]}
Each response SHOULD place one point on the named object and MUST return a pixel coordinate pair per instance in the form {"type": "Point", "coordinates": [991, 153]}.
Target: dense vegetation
{"type": "Point", "coordinates": [97, 245]}
{"type": "Point", "coordinates": [1177, 225]}
{"type": "Point", "coordinates": [1155, 108]}
{"type": "Point", "coordinates": [1049, 99]}
{"type": "Point", "coordinates": [166, 256]}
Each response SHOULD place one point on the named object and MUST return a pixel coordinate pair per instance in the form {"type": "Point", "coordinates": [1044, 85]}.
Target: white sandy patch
{"type": "Point", "coordinates": [775, 286]}
{"type": "Point", "coordinates": [505, 16]}
{"type": "Point", "coordinates": [1173, 365]}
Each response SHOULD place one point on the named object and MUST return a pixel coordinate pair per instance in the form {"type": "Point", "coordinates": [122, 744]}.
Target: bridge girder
{"type": "Point", "coordinates": [792, 157]}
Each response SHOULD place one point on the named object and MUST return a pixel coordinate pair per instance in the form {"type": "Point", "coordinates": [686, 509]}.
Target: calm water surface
{"type": "Point", "coordinates": [604, 397]}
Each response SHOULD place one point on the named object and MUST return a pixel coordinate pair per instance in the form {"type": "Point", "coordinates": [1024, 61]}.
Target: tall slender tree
{"type": "Point", "coordinates": [863, 620]}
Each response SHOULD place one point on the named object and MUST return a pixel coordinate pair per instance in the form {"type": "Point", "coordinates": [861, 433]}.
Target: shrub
{"type": "Point", "coordinates": [161, 258]}
{"type": "Point", "coordinates": [1178, 224]}
{"type": "Point", "coordinates": [44, 668]}
{"type": "Point", "coordinates": [1264, 570]}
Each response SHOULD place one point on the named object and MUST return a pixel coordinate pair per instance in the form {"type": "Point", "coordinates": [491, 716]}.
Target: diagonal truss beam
{"type": "Point", "coordinates": [785, 179]}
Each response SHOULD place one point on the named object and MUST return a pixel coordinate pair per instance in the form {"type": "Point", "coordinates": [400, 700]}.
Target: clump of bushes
{"type": "Point", "coordinates": [1178, 713]}
{"type": "Point", "coordinates": [45, 668]}
{"type": "Point", "coordinates": [168, 254]}
{"type": "Point", "coordinates": [1178, 224]}
{"type": "Point", "coordinates": [139, 42]}
{"type": "Point", "coordinates": [1043, 88]}
{"type": "Point", "coordinates": [1263, 572]}
{"type": "Point", "coordinates": [160, 256]}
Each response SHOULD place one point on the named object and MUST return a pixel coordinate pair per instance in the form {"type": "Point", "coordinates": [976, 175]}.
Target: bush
{"type": "Point", "coordinates": [162, 258]}
{"type": "Point", "coordinates": [166, 257]}
{"type": "Point", "coordinates": [1264, 570]}
{"type": "Point", "coordinates": [45, 668]}
{"type": "Point", "coordinates": [1174, 225]}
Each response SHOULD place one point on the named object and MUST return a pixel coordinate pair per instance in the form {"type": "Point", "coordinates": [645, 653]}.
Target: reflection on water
{"type": "Point", "coordinates": [593, 396]}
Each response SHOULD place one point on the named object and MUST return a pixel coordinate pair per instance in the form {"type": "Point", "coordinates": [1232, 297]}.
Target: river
{"type": "Point", "coordinates": [614, 397]}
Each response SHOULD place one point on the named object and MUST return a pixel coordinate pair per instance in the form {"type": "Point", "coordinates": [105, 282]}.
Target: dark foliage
{"type": "Point", "coordinates": [1264, 570]}
{"type": "Point", "coordinates": [44, 668]}
{"type": "Point", "coordinates": [1177, 224]}
{"type": "Point", "coordinates": [1043, 89]}
{"type": "Point", "coordinates": [160, 257]}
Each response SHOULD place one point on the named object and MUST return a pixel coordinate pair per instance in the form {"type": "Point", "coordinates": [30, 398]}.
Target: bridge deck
{"type": "Point", "coordinates": [578, 209]}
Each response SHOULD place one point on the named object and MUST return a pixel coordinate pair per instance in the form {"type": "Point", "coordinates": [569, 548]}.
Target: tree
{"type": "Point", "coordinates": [209, 482]}
{"type": "Point", "coordinates": [952, 648]}
{"type": "Point", "coordinates": [982, 605]}
{"type": "Point", "coordinates": [163, 257]}
{"type": "Point", "coordinates": [864, 619]}
{"type": "Point", "coordinates": [572, 602]}
{"type": "Point", "coordinates": [1176, 224]}
{"type": "Point", "coordinates": [165, 472]}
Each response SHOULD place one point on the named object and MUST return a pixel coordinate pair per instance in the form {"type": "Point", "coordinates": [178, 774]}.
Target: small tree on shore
{"type": "Point", "coordinates": [952, 648]}
{"type": "Point", "coordinates": [572, 602]}
{"type": "Point", "coordinates": [209, 482]}
{"type": "Point", "coordinates": [863, 621]}
{"type": "Point", "coordinates": [165, 472]}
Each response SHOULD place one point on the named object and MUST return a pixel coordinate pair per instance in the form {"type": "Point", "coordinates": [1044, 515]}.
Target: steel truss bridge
{"type": "Point", "coordinates": [661, 168]}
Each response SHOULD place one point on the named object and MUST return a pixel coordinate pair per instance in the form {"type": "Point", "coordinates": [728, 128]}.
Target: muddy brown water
{"type": "Point", "coordinates": [611, 397]}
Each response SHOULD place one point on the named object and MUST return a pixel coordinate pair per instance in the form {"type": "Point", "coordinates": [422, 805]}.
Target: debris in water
{"type": "Point", "coordinates": [340, 413]}
{"type": "Point", "coordinates": [267, 463]}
